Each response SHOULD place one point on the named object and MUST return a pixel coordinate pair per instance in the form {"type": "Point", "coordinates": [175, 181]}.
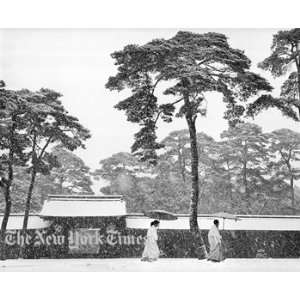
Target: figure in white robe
{"type": "Point", "coordinates": [215, 244]}
{"type": "Point", "coordinates": [151, 251]}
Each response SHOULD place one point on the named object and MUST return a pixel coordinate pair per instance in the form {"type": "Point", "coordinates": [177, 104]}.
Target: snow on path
{"type": "Point", "coordinates": [135, 265]}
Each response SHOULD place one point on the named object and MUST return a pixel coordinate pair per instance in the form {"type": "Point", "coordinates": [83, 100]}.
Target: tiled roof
{"type": "Point", "coordinates": [83, 206]}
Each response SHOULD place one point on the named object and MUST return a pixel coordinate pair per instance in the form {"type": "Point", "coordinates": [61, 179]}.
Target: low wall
{"type": "Point", "coordinates": [124, 236]}
{"type": "Point", "coordinates": [172, 243]}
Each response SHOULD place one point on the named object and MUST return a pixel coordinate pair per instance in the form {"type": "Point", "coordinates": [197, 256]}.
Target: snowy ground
{"type": "Point", "coordinates": [131, 265]}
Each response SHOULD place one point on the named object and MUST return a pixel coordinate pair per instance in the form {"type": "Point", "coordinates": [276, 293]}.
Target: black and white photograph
{"type": "Point", "coordinates": [150, 149]}
{"type": "Point", "coordinates": [171, 149]}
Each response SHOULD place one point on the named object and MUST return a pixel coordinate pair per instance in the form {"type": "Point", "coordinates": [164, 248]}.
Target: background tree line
{"type": "Point", "coordinates": [246, 172]}
{"type": "Point", "coordinates": [72, 176]}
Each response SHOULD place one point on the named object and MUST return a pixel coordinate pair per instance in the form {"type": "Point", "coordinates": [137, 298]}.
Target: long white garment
{"type": "Point", "coordinates": [214, 234]}
{"type": "Point", "coordinates": [151, 251]}
{"type": "Point", "coordinates": [215, 247]}
{"type": "Point", "coordinates": [152, 233]}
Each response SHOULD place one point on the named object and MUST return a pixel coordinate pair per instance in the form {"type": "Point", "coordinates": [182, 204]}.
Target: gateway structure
{"type": "Point", "coordinates": [99, 226]}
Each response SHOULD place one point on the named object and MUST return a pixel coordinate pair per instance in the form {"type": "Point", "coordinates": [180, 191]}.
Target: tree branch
{"type": "Point", "coordinates": [156, 83]}
{"type": "Point", "coordinates": [45, 147]}
{"type": "Point", "coordinates": [160, 112]}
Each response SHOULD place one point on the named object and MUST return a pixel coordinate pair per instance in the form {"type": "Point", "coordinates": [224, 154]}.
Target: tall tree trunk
{"type": "Point", "coordinates": [7, 198]}
{"type": "Point", "coordinates": [61, 184]}
{"type": "Point", "coordinates": [196, 233]}
{"type": "Point", "coordinates": [230, 186]}
{"type": "Point", "coordinates": [297, 62]}
{"type": "Point", "coordinates": [293, 193]}
{"type": "Point", "coordinates": [195, 177]}
{"type": "Point", "coordinates": [245, 179]}
{"type": "Point", "coordinates": [3, 228]}
{"type": "Point", "coordinates": [194, 228]}
{"type": "Point", "coordinates": [27, 211]}
{"type": "Point", "coordinates": [181, 164]}
{"type": "Point", "coordinates": [7, 210]}
{"type": "Point", "coordinates": [34, 161]}
{"type": "Point", "coordinates": [288, 163]}
{"type": "Point", "coordinates": [298, 84]}
{"type": "Point", "coordinates": [245, 182]}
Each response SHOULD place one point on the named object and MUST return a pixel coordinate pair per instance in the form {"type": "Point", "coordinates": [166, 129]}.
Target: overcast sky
{"type": "Point", "coordinates": [77, 63]}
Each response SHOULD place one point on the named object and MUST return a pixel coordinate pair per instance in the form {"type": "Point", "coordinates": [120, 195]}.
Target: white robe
{"type": "Point", "coordinates": [215, 247]}
{"type": "Point", "coordinates": [151, 250]}
{"type": "Point", "coordinates": [214, 235]}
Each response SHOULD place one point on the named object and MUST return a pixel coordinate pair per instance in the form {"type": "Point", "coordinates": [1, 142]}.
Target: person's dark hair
{"type": "Point", "coordinates": [154, 223]}
{"type": "Point", "coordinates": [216, 222]}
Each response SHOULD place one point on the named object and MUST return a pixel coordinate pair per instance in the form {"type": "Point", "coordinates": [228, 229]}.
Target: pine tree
{"type": "Point", "coordinates": [191, 65]}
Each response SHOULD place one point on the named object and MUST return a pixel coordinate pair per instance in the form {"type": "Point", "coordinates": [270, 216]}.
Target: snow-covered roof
{"type": "Point", "coordinates": [83, 206]}
{"type": "Point", "coordinates": [16, 222]}
{"type": "Point", "coordinates": [276, 223]}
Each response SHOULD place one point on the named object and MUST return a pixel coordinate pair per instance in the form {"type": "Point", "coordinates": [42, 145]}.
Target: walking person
{"type": "Point", "coordinates": [215, 243]}
{"type": "Point", "coordinates": [151, 250]}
